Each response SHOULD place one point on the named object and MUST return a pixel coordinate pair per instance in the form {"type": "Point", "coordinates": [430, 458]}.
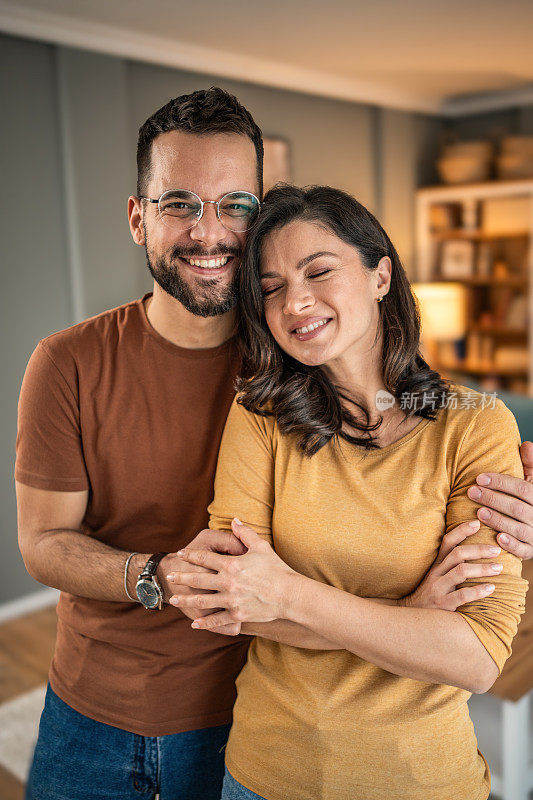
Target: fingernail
{"type": "Point", "coordinates": [489, 587]}
{"type": "Point", "coordinates": [181, 552]}
{"type": "Point", "coordinates": [495, 550]}
{"type": "Point", "coordinates": [483, 480]}
{"type": "Point", "coordinates": [237, 520]}
{"type": "Point", "coordinates": [174, 601]}
{"type": "Point", "coordinates": [496, 567]}
{"type": "Point", "coordinates": [474, 493]}
{"type": "Point", "coordinates": [170, 577]}
{"type": "Point", "coordinates": [195, 625]}
{"type": "Point", "coordinates": [503, 538]}
{"type": "Point", "coordinates": [484, 513]}
{"type": "Point", "coordinates": [474, 524]}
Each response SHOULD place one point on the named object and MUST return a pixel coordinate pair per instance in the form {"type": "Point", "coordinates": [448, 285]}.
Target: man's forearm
{"type": "Point", "coordinates": [81, 565]}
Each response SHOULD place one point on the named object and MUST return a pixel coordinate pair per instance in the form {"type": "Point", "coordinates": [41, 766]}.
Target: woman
{"type": "Point", "coordinates": [355, 503]}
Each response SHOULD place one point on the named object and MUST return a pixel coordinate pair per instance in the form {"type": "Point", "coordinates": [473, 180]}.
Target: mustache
{"type": "Point", "coordinates": [199, 252]}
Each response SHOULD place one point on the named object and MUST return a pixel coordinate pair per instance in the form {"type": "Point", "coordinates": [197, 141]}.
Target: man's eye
{"type": "Point", "coordinates": [318, 274]}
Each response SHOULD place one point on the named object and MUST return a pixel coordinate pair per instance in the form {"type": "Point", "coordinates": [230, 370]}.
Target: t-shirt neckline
{"type": "Point", "coordinates": [183, 352]}
{"type": "Point", "coordinates": [424, 422]}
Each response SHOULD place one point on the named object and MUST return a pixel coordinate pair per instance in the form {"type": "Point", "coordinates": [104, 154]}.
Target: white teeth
{"type": "Point", "coordinates": [311, 327]}
{"type": "Point", "coordinates": [211, 263]}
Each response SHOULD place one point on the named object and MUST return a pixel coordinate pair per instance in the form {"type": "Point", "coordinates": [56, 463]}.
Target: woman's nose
{"type": "Point", "coordinates": [297, 299]}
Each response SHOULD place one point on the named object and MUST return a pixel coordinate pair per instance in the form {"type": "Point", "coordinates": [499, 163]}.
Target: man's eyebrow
{"type": "Point", "coordinates": [302, 263]}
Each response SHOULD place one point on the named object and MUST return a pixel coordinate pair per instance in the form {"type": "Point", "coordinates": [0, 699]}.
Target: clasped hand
{"type": "Point", "coordinates": [220, 592]}
{"type": "Point", "coordinates": [249, 588]}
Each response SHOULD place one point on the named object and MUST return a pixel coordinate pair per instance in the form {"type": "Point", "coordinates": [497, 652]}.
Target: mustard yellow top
{"type": "Point", "coordinates": [327, 725]}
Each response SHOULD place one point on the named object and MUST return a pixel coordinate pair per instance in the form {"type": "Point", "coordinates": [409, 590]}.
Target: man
{"type": "Point", "coordinates": [120, 420]}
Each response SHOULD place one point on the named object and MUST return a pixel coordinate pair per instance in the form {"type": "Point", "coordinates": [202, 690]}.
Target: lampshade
{"type": "Point", "coordinates": [442, 310]}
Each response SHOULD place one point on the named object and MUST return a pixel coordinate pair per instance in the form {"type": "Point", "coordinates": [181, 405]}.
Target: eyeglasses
{"type": "Point", "coordinates": [181, 209]}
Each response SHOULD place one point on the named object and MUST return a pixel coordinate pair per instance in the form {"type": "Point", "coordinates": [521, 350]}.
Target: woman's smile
{"type": "Point", "coordinates": [310, 328]}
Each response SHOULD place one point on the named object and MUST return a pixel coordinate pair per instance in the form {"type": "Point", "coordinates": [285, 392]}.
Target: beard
{"type": "Point", "coordinates": [203, 297]}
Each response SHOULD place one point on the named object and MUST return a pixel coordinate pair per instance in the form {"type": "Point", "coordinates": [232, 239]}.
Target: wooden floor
{"type": "Point", "coordinates": [26, 648]}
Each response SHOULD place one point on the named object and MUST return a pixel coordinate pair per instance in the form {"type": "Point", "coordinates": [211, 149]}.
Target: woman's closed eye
{"type": "Point", "coordinates": [271, 289]}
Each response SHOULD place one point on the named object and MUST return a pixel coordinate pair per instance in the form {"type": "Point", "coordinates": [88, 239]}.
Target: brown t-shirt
{"type": "Point", "coordinates": [111, 406]}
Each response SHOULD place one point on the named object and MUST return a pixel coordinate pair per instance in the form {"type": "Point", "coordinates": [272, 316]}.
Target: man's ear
{"type": "Point", "coordinates": [135, 220]}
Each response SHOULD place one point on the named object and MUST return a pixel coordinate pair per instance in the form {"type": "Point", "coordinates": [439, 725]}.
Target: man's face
{"type": "Point", "coordinates": [211, 166]}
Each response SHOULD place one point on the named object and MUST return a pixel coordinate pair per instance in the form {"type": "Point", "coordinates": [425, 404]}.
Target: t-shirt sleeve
{"type": "Point", "coordinates": [490, 444]}
{"type": "Point", "coordinates": [49, 452]}
{"type": "Point", "coordinates": [244, 482]}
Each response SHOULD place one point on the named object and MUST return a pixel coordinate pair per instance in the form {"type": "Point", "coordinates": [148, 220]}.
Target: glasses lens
{"type": "Point", "coordinates": [179, 207]}
{"type": "Point", "coordinates": [239, 210]}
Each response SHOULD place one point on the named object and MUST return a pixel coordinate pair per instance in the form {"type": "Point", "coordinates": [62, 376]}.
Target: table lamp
{"type": "Point", "coordinates": [443, 319]}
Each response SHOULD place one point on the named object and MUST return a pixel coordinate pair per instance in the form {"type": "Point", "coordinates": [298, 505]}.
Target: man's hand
{"type": "Point", "coordinates": [507, 505]}
{"type": "Point", "coordinates": [438, 589]}
{"type": "Point", "coordinates": [215, 541]}
{"type": "Point", "coordinates": [256, 587]}
{"type": "Point", "coordinates": [224, 542]}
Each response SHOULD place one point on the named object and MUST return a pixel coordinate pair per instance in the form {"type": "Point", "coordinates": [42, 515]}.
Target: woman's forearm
{"type": "Point", "coordinates": [286, 632]}
{"type": "Point", "coordinates": [425, 644]}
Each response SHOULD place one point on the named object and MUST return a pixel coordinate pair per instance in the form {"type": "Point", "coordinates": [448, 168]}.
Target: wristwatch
{"type": "Point", "coordinates": [147, 588]}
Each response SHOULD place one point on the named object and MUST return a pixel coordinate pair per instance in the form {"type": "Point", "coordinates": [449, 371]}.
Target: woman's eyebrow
{"type": "Point", "coordinates": [301, 264]}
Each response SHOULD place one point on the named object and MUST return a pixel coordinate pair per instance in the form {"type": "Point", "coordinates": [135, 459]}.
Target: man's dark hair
{"type": "Point", "coordinates": [205, 112]}
{"type": "Point", "coordinates": [303, 398]}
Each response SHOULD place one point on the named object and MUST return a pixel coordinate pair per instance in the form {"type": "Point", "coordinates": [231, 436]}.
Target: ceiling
{"type": "Point", "coordinates": [441, 56]}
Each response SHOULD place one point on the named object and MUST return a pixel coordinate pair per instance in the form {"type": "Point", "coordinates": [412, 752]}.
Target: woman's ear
{"type": "Point", "coordinates": [383, 273]}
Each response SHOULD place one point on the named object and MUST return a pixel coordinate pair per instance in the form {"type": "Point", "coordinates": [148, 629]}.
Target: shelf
{"type": "Point", "coordinates": [460, 191]}
{"type": "Point", "coordinates": [497, 330]}
{"type": "Point", "coordinates": [484, 224]}
{"type": "Point", "coordinates": [478, 236]}
{"type": "Point", "coordinates": [517, 281]}
{"type": "Point", "coordinates": [480, 368]}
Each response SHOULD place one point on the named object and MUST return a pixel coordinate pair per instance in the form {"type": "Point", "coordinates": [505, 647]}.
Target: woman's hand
{"type": "Point", "coordinates": [251, 587]}
{"type": "Point", "coordinates": [438, 589]}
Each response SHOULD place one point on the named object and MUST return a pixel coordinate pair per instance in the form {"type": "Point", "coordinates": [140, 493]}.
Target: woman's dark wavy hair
{"type": "Point", "coordinates": [303, 399]}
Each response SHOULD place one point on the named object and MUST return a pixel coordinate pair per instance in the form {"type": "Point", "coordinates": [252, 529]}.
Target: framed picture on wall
{"type": "Point", "coordinates": [277, 163]}
{"type": "Point", "coordinates": [457, 259]}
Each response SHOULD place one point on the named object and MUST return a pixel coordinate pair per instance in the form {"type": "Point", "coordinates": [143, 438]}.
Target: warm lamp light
{"type": "Point", "coordinates": [442, 312]}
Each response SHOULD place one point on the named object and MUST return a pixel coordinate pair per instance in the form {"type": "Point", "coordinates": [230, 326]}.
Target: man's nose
{"type": "Point", "coordinates": [209, 229]}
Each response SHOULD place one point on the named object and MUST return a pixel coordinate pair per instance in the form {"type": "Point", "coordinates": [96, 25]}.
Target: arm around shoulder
{"type": "Point", "coordinates": [490, 444]}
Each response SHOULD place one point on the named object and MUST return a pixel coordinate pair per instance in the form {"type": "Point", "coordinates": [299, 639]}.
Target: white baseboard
{"type": "Point", "coordinates": [30, 602]}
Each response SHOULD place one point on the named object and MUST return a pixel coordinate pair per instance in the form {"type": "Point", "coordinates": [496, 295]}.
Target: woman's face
{"type": "Point", "coordinates": [320, 301]}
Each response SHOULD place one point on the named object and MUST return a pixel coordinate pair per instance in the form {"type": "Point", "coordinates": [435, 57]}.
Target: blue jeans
{"type": "Point", "coordinates": [233, 790]}
{"type": "Point", "coordinates": [77, 758]}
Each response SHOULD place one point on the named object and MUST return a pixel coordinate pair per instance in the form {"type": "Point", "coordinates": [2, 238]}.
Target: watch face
{"type": "Point", "coordinates": [147, 594]}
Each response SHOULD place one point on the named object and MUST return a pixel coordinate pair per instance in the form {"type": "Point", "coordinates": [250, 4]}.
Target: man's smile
{"type": "Point", "coordinates": [212, 266]}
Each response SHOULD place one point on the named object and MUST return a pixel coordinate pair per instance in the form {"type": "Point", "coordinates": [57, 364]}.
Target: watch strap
{"type": "Point", "coordinates": [152, 565]}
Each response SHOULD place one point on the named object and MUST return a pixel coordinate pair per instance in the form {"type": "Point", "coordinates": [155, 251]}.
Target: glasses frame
{"type": "Point", "coordinates": [203, 203]}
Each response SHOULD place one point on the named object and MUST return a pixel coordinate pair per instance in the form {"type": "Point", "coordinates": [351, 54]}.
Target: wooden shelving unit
{"type": "Point", "coordinates": [498, 281]}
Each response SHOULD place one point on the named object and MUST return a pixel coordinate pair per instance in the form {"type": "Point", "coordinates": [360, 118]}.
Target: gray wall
{"type": "Point", "coordinates": [70, 121]}
{"type": "Point", "coordinates": [35, 297]}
